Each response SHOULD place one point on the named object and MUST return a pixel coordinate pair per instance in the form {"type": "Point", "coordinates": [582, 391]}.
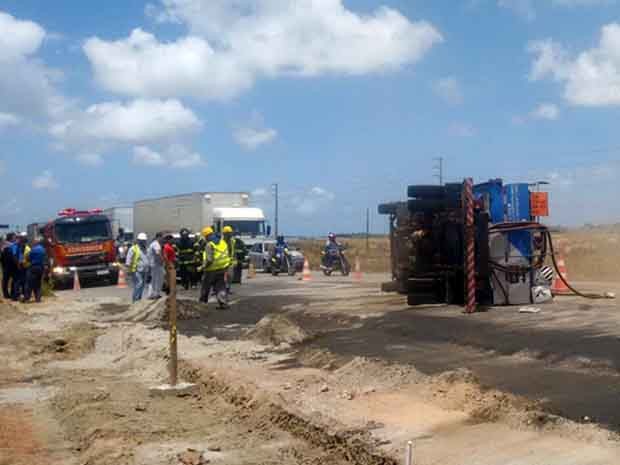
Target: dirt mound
{"type": "Point", "coordinates": [278, 329]}
{"type": "Point", "coordinates": [158, 311]}
{"type": "Point", "coordinates": [460, 375]}
{"type": "Point", "coordinates": [363, 371]}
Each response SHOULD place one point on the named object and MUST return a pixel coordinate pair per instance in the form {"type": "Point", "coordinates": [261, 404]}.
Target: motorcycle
{"type": "Point", "coordinates": [333, 260]}
{"type": "Point", "coordinates": [281, 262]}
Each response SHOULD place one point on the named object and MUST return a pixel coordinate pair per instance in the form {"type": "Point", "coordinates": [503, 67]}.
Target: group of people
{"type": "Point", "coordinates": [213, 257]}
{"type": "Point", "coordinates": [23, 267]}
{"type": "Point", "coordinates": [146, 261]}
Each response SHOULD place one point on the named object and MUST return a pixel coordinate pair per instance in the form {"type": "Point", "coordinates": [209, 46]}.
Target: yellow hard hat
{"type": "Point", "coordinates": [207, 231]}
{"type": "Point", "coordinates": [227, 230]}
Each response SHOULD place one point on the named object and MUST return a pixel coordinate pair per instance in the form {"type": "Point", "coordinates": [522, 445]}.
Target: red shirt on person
{"type": "Point", "coordinates": [169, 253]}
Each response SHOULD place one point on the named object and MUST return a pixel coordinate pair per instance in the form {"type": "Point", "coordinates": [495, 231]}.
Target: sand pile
{"type": "Point", "coordinates": [158, 311]}
{"type": "Point", "coordinates": [278, 329]}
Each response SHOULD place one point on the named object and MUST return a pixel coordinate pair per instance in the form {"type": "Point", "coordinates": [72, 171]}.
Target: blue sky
{"type": "Point", "coordinates": [343, 103]}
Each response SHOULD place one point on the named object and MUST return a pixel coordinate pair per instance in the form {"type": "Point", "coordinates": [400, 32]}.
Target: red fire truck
{"type": "Point", "coordinates": [81, 241]}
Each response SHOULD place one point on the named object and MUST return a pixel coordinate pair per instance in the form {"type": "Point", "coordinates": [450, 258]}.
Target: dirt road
{"type": "Point", "coordinates": [337, 373]}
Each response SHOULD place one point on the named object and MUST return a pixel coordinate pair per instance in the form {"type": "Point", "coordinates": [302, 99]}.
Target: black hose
{"type": "Point", "coordinates": [575, 291]}
{"type": "Point", "coordinates": [529, 226]}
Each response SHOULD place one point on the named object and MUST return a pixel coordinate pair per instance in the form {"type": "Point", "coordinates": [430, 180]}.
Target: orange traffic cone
{"type": "Point", "coordinates": [306, 275]}
{"type": "Point", "coordinates": [251, 271]}
{"type": "Point", "coordinates": [357, 273]}
{"type": "Point", "coordinates": [76, 281]}
{"type": "Point", "coordinates": [122, 280]}
{"type": "Point", "coordinates": [558, 287]}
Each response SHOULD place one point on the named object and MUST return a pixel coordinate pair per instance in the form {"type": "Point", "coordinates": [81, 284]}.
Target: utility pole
{"type": "Point", "coordinates": [367, 229]}
{"type": "Point", "coordinates": [275, 193]}
{"type": "Point", "coordinates": [439, 169]}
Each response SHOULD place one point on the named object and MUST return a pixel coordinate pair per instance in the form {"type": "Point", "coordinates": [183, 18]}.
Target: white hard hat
{"type": "Point", "coordinates": [142, 237]}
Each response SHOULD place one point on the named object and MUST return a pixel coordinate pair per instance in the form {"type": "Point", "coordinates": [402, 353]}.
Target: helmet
{"type": "Point", "coordinates": [207, 231]}
{"type": "Point", "coordinates": [331, 236]}
{"type": "Point", "coordinates": [227, 230]}
{"type": "Point", "coordinates": [184, 232]}
{"type": "Point", "coordinates": [142, 237]}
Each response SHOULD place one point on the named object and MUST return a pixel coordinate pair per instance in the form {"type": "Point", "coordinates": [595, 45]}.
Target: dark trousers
{"type": "Point", "coordinates": [8, 276]}
{"type": "Point", "coordinates": [19, 284]}
{"type": "Point", "coordinates": [34, 277]}
{"type": "Point", "coordinates": [214, 280]}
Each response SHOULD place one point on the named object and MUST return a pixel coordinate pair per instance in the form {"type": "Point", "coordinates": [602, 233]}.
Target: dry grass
{"type": "Point", "coordinates": [592, 255]}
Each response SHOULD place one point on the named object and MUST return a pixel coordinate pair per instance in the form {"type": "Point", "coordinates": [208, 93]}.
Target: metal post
{"type": "Point", "coordinates": [409, 456]}
{"type": "Point", "coordinates": [367, 230]}
{"type": "Point", "coordinates": [172, 307]}
{"type": "Point", "coordinates": [439, 169]}
{"type": "Point", "coordinates": [470, 248]}
{"type": "Point", "coordinates": [275, 192]}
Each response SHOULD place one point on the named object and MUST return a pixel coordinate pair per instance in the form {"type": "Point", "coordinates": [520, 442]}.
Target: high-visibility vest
{"type": "Point", "coordinates": [26, 260]}
{"type": "Point", "coordinates": [137, 253]}
{"type": "Point", "coordinates": [221, 259]}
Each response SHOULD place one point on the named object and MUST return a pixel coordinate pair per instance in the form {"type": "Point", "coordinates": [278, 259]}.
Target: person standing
{"type": "Point", "coordinates": [170, 258]}
{"type": "Point", "coordinates": [8, 265]}
{"type": "Point", "coordinates": [138, 266]}
{"type": "Point", "coordinates": [23, 263]}
{"type": "Point", "coordinates": [156, 264]}
{"type": "Point", "coordinates": [185, 253]}
{"type": "Point", "coordinates": [215, 263]}
{"type": "Point", "coordinates": [37, 259]}
{"type": "Point", "coordinates": [236, 250]}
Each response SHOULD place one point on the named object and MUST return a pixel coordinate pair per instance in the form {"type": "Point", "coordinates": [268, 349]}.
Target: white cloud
{"type": "Point", "coordinates": [137, 121]}
{"type": "Point", "coordinates": [145, 156]}
{"type": "Point", "coordinates": [176, 156]}
{"type": "Point", "coordinates": [231, 44]}
{"type": "Point", "coordinates": [90, 159]}
{"type": "Point", "coordinates": [462, 130]}
{"type": "Point", "coordinates": [45, 180]}
{"type": "Point", "coordinates": [449, 89]}
{"type": "Point", "coordinates": [26, 85]}
{"type": "Point", "coordinates": [18, 38]}
{"type": "Point", "coordinates": [8, 119]}
{"type": "Point", "coordinates": [312, 201]}
{"type": "Point", "coordinates": [252, 138]}
{"type": "Point", "coordinates": [547, 111]}
{"type": "Point", "coordinates": [591, 78]}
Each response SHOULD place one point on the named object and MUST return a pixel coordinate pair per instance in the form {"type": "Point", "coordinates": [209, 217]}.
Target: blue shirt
{"type": "Point", "coordinates": [38, 256]}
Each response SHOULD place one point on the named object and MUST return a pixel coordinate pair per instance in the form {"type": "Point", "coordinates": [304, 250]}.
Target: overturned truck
{"type": "Point", "coordinates": [469, 244]}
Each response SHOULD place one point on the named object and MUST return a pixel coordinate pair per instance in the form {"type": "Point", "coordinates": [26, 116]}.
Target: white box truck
{"type": "Point", "coordinates": [199, 209]}
{"type": "Point", "coordinates": [121, 219]}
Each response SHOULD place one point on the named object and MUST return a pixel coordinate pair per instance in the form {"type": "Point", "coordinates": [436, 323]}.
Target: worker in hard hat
{"type": "Point", "coordinates": [236, 250]}
{"type": "Point", "coordinates": [215, 264]}
{"type": "Point", "coordinates": [138, 266]}
{"type": "Point", "coordinates": [199, 247]}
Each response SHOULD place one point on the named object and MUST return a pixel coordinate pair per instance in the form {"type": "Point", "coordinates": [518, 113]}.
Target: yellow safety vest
{"type": "Point", "coordinates": [26, 262]}
{"type": "Point", "coordinates": [135, 258]}
{"type": "Point", "coordinates": [221, 259]}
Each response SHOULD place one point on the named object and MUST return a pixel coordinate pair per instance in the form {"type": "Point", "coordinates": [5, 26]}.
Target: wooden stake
{"type": "Point", "coordinates": [172, 303]}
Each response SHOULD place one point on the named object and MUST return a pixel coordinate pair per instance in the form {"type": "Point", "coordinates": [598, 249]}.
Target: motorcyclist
{"type": "Point", "coordinates": [331, 244]}
{"type": "Point", "coordinates": [280, 249]}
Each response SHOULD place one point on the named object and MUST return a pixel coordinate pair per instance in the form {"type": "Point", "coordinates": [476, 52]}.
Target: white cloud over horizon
{"type": "Point", "coordinates": [232, 44]}
{"type": "Point", "coordinates": [591, 78]}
